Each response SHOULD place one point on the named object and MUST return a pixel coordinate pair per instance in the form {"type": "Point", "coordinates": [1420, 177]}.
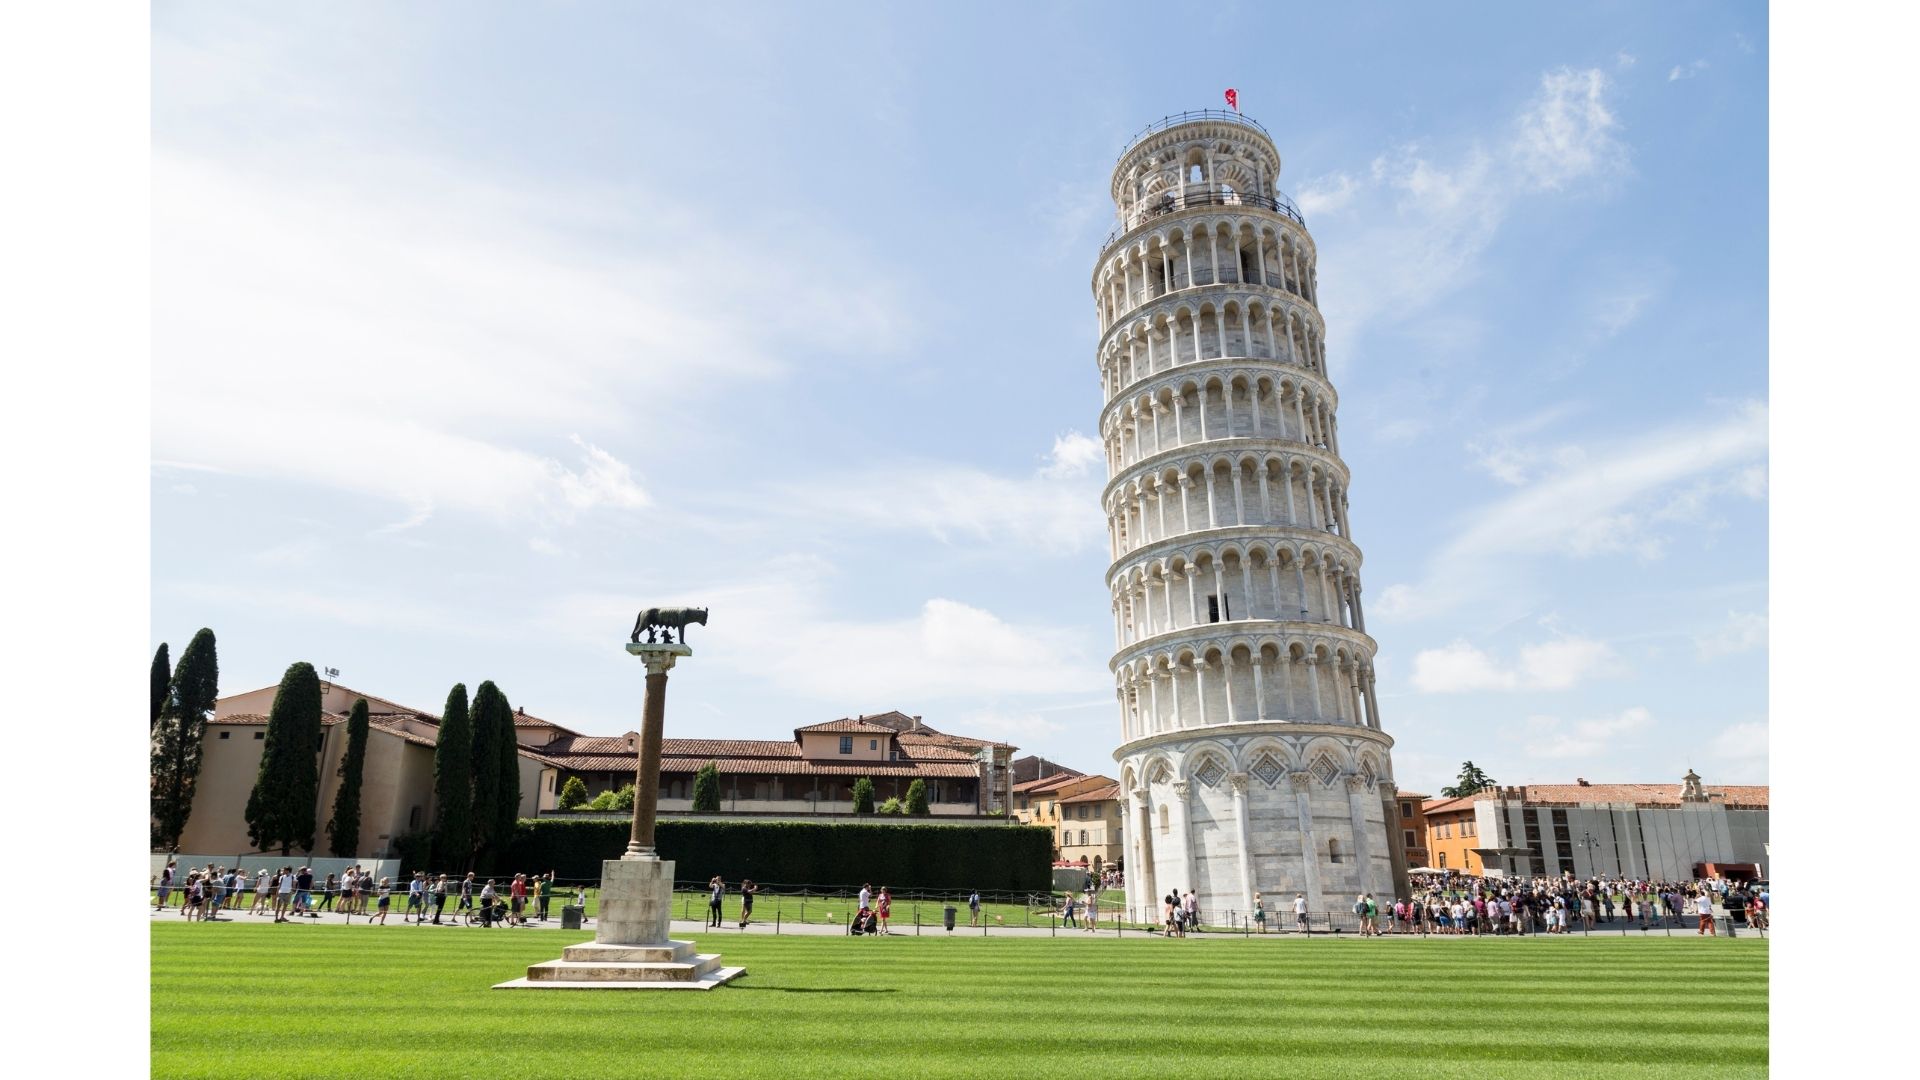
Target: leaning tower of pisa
{"type": "Point", "coordinates": [1251, 755]}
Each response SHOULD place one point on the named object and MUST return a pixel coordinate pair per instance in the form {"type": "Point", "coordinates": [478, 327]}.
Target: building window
{"type": "Point", "coordinates": [1408, 841]}
{"type": "Point", "coordinates": [413, 819]}
{"type": "Point", "coordinates": [1443, 860]}
{"type": "Point", "coordinates": [259, 734]}
{"type": "Point", "coordinates": [1218, 609]}
{"type": "Point", "coordinates": [1066, 837]}
{"type": "Point", "coordinates": [1466, 827]}
{"type": "Point", "coordinates": [1083, 838]}
{"type": "Point", "coordinates": [846, 744]}
{"type": "Point", "coordinates": [224, 734]}
{"type": "Point", "coordinates": [1406, 809]}
{"type": "Point", "coordinates": [873, 744]}
{"type": "Point", "coordinates": [1333, 851]}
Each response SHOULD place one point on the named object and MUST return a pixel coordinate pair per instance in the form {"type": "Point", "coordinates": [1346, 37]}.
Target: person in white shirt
{"type": "Point", "coordinates": [1300, 911]}
{"type": "Point", "coordinates": [866, 896]}
{"type": "Point", "coordinates": [1703, 904]}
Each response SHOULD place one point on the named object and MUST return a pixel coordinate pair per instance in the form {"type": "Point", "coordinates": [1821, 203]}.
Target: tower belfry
{"type": "Point", "coordinates": [1251, 753]}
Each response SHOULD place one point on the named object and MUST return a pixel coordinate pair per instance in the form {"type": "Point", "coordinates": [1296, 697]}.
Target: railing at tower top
{"type": "Point", "coordinates": [1175, 201]}
{"type": "Point", "coordinates": [1223, 115]}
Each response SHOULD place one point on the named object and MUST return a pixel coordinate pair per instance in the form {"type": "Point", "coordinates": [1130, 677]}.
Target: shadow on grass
{"type": "Point", "coordinates": [817, 989]}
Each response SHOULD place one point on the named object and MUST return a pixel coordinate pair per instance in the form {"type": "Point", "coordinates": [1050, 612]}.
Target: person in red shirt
{"type": "Point", "coordinates": [518, 898]}
{"type": "Point", "coordinates": [886, 909]}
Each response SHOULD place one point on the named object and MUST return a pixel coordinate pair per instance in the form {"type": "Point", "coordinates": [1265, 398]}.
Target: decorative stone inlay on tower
{"type": "Point", "coordinates": [1240, 640]}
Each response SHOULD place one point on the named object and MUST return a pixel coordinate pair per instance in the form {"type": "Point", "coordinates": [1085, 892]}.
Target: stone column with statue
{"type": "Point", "coordinates": [631, 947]}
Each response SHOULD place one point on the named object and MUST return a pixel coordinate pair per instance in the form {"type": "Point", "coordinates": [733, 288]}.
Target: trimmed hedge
{"type": "Point", "coordinates": [1012, 858]}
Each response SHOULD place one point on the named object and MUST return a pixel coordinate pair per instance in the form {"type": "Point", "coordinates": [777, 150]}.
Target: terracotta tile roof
{"type": "Point", "coordinates": [1668, 794]}
{"type": "Point", "coordinates": [1046, 783]}
{"type": "Point", "coordinates": [928, 735]}
{"type": "Point", "coordinates": [255, 719]}
{"type": "Point", "coordinates": [1111, 791]}
{"type": "Point", "coordinates": [847, 724]}
{"type": "Point", "coordinates": [734, 748]}
{"type": "Point", "coordinates": [782, 767]}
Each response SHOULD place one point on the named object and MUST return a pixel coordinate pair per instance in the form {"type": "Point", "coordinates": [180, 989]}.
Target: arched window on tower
{"type": "Point", "coordinates": [1193, 175]}
{"type": "Point", "coordinates": [1333, 851]}
{"type": "Point", "coordinates": [1163, 820]}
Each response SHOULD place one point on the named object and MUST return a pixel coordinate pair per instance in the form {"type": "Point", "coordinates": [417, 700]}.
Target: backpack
{"type": "Point", "coordinates": [1359, 907]}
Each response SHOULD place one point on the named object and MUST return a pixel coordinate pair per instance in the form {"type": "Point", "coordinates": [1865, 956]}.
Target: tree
{"type": "Point", "coordinates": [453, 783]}
{"type": "Point", "coordinates": [175, 738]}
{"type": "Point", "coordinates": [863, 796]}
{"type": "Point", "coordinates": [343, 829]}
{"type": "Point", "coordinates": [159, 677]}
{"type": "Point", "coordinates": [891, 808]}
{"type": "Point", "coordinates": [280, 811]}
{"type": "Point", "coordinates": [496, 773]}
{"type": "Point", "coordinates": [917, 799]}
{"type": "Point", "coordinates": [572, 793]}
{"type": "Point", "coordinates": [706, 788]}
{"type": "Point", "coordinates": [1472, 780]}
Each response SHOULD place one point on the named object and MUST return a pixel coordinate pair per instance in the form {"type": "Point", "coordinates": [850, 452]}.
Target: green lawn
{"type": "Point", "coordinates": [300, 1000]}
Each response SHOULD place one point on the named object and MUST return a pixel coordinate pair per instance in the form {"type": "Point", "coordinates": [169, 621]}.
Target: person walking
{"type": "Point", "coordinates": [439, 897]}
{"type": "Point", "coordinates": [416, 899]}
{"type": "Point", "coordinates": [386, 899]}
{"type": "Point", "coordinates": [885, 910]}
{"type": "Point", "coordinates": [1191, 905]}
{"type": "Point", "coordinates": [466, 896]}
{"type": "Point", "coordinates": [166, 887]}
{"type": "Point", "coordinates": [716, 897]}
{"type": "Point", "coordinates": [1092, 908]}
{"type": "Point", "coordinates": [517, 899]}
{"type": "Point", "coordinates": [1703, 906]}
{"type": "Point", "coordinates": [1259, 913]}
{"type": "Point", "coordinates": [1300, 913]}
{"type": "Point", "coordinates": [1066, 917]}
{"type": "Point", "coordinates": [747, 889]}
{"type": "Point", "coordinates": [543, 887]}
{"type": "Point", "coordinates": [973, 908]}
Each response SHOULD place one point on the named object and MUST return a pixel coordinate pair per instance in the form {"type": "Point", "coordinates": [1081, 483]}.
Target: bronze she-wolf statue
{"type": "Point", "coordinates": [667, 620]}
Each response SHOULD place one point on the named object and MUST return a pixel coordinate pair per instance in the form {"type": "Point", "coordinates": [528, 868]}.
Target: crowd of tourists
{"type": "Point", "coordinates": [1495, 906]}
{"type": "Point", "coordinates": [291, 892]}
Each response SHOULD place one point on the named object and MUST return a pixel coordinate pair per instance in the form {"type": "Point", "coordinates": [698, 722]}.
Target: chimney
{"type": "Point", "coordinates": [916, 724]}
{"type": "Point", "coordinates": [1582, 781]}
{"type": "Point", "coordinates": [523, 710]}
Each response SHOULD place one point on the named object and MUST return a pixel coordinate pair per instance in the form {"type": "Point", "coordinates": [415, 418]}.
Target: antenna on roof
{"type": "Point", "coordinates": [332, 674]}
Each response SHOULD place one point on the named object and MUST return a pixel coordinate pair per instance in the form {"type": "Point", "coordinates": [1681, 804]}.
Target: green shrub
{"type": "Point", "coordinates": [573, 794]}
{"type": "Point", "coordinates": [917, 799]}
{"type": "Point", "coordinates": [892, 808]}
{"type": "Point", "coordinates": [863, 796]}
{"type": "Point", "coordinates": [821, 854]}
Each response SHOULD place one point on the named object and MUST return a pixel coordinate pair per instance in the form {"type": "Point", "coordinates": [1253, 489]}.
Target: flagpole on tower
{"type": "Point", "coordinates": [1233, 99]}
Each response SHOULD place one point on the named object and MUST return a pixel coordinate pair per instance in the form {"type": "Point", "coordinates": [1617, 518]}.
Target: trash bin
{"type": "Point", "coordinates": [571, 917]}
{"type": "Point", "coordinates": [949, 915]}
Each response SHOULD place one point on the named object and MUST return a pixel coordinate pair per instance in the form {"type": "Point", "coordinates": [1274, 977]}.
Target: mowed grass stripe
{"type": "Point", "coordinates": [290, 1000]}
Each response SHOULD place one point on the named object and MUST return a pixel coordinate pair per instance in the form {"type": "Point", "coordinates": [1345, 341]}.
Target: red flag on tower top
{"type": "Point", "coordinates": [1233, 99]}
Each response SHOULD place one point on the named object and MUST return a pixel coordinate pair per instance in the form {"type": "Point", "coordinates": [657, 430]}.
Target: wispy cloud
{"type": "Point", "coordinates": [1741, 632]}
{"type": "Point", "coordinates": [1462, 667]}
{"type": "Point", "coordinates": [1686, 71]}
{"type": "Point", "coordinates": [1424, 215]}
{"type": "Point", "coordinates": [1549, 737]}
{"type": "Point", "coordinates": [1602, 500]}
{"type": "Point", "coordinates": [1742, 742]}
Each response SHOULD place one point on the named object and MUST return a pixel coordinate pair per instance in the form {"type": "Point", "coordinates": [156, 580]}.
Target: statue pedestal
{"type": "Point", "coordinates": [630, 949]}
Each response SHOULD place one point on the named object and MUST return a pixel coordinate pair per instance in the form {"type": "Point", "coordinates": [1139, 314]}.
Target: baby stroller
{"type": "Point", "coordinates": [865, 921]}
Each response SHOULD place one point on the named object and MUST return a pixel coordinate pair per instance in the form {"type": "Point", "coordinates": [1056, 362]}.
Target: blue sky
{"type": "Point", "coordinates": [478, 327]}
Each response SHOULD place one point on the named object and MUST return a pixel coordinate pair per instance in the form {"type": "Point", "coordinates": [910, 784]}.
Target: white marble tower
{"type": "Point", "coordinates": [1251, 755]}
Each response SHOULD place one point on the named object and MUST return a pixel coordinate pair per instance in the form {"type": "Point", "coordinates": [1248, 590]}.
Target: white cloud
{"type": "Point", "coordinates": [1431, 213]}
{"type": "Point", "coordinates": [1686, 71]}
{"type": "Point", "coordinates": [1742, 631]}
{"type": "Point", "coordinates": [1461, 667]}
{"type": "Point", "coordinates": [1073, 456]}
{"type": "Point", "coordinates": [409, 330]}
{"type": "Point", "coordinates": [1599, 501]}
{"type": "Point", "coordinates": [1743, 742]}
{"type": "Point", "coordinates": [1567, 133]}
{"type": "Point", "coordinates": [1551, 738]}
{"type": "Point", "coordinates": [1625, 59]}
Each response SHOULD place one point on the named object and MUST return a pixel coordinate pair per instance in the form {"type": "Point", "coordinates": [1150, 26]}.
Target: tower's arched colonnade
{"type": "Point", "coordinates": [1252, 756]}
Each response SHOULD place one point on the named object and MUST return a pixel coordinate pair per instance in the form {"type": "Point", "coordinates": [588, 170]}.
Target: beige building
{"type": "Point", "coordinates": [396, 781]}
{"type": "Point", "coordinates": [1090, 827]}
{"type": "Point", "coordinates": [813, 773]}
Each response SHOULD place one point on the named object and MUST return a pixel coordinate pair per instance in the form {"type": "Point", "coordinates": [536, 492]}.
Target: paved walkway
{"type": "Point", "coordinates": [687, 928]}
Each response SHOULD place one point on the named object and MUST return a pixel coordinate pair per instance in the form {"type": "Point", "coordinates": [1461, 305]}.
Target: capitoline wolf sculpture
{"type": "Point", "coordinates": [666, 620]}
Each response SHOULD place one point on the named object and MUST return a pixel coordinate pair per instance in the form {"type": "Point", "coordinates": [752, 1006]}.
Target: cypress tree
{"type": "Point", "coordinates": [863, 796]}
{"type": "Point", "coordinates": [159, 677]}
{"type": "Point", "coordinates": [917, 798]}
{"type": "Point", "coordinates": [344, 827]}
{"type": "Point", "coordinates": [487, 703]}
{"type": "Point", "coordinates": [175, 738]}
{"type": "Point", "coordinates": [453, 783]}
{"type": "Point", "coordinates": [507, 751]}
{"type": "Point", "coordinates": [706, 787]}
{"type": "Point", "coordinates": [280, 811]}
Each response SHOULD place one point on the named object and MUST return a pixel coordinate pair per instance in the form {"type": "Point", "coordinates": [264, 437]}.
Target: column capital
{"type": "Point", "coordinates": [1238, 783]}
{"type": "Point", "coordinates": [1300, 781]}
{"type": "Point", "coordinates": [1356, 784]}
{"type": "Point", "coordinates": [1180, 789]}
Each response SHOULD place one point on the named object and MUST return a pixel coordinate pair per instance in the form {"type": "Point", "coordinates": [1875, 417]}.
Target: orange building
{"type": "Point", "coordinates": [1452, 834]}
{"type": "Point", "coordinates": [1413, 826]}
